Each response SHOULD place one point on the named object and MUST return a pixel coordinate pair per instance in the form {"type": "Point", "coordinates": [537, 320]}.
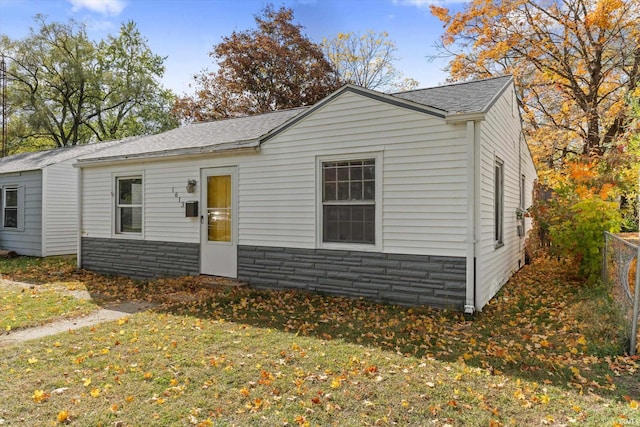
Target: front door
{"type": "Point", "coordinates": [219, 222]}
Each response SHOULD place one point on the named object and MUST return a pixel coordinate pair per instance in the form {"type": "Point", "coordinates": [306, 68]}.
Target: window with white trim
{"type": "Point", "coordinates": [498, 202]}
{"type": "Point", "coordinates": [349, 201]}
{"type": "Point", "coordinates": [129, 204]}
{"type": "Point", "coordinates": [10, 207]}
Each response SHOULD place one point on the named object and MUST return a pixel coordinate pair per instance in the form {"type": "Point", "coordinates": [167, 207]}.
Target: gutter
{"type": "Point", "coordinates": [172, 154]}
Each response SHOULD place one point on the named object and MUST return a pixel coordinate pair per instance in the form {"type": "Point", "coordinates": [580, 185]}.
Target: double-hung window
{"type": "Point", "coordinates": [349, 201]}
{"type": "Point", "coordinates": [10, 208]}
{"type": "Point", "coordinates": [498, 202]}
{"type": "Point", "coordinates": [129, 204]}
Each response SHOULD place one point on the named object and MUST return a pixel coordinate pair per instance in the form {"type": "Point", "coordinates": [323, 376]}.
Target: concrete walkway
{"type": "Point", "coordinates": [104, 314]}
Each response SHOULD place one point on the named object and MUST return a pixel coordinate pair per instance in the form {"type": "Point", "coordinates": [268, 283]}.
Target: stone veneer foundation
{"type": "Point", "coordinates": [437, 281]}
{"type": "Point", "coordinates": [140, 259]}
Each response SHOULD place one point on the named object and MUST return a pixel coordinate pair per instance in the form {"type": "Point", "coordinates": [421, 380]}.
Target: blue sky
{"type": "Point", "coordinates": [186, 30]}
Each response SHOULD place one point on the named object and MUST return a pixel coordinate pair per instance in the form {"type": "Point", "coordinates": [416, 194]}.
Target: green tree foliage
{"type": "Point", "coordinates": [570, 220]}
{"type": "Point", "coordinates": [623, 163]}
{"type": "Point", "coordinates": [271, 67]}
{"type": "Point", "coordinates": [131, 102]}
{"type": "Point", "coordinates": [64, 89]}
{"type": "Point", "coordinates": [578, 232]}
{"type": "Point", "coordinates": [367, 60]}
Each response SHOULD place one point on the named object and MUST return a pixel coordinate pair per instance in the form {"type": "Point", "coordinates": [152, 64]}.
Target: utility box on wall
{"type": "Point", "coordinates": [191, 209]}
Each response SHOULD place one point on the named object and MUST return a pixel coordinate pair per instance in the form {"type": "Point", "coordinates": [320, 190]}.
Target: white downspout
{"type": "Point", "coordinates": [79, 207]}
{"type": "Point", "coordinates": [470, 305]}
{"type": "Point", "coordinates": [44, 209]}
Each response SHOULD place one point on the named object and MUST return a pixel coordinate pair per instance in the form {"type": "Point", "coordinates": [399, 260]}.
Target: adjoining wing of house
{"type": "Point", "coordinates": [411, 198]}
{"type": "Point", "coordinates": [38, 200]}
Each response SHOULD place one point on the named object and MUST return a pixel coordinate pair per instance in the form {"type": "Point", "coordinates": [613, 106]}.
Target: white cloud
{"type": "Point", "coordinates": [101, 25]}
{"type": "Point", "coordinates": [105, 7]}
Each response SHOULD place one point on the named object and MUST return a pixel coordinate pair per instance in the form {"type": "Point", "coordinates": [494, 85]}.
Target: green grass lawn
{"type": "Point", "coordinates": [545, 351]}
{"type": "Point", "coordinates": [22, 308]}
{"type": "Point", "coordinates": [43, 302]}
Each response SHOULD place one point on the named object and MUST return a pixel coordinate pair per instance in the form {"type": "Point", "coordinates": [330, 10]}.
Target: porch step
{"type": "Point", "coordinates": [221, 281]}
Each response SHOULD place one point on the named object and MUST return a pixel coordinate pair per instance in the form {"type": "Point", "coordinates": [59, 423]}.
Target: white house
{"type": "Point", "coordinates": [38, 196]}
{"type": "Point", "coordinates": [412, 198]}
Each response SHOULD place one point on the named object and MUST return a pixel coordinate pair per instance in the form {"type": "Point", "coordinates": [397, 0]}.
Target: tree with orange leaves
{"type": "Point", "coordinates": [576, 65]}
{"type": "Point", "coordinates": [575, 62]}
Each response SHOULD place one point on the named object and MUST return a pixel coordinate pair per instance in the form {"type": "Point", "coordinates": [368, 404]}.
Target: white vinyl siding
{"type": "Point", "coordinates": [423, 177]}
{"type": "Point", "coordinates": [423, 184]}
{"type": "Point", "coordinates": [59, 204]}
{"type": "Point", "coordinates": [500, 138]}
{"type": "Point", "coordinates": [47, 205]}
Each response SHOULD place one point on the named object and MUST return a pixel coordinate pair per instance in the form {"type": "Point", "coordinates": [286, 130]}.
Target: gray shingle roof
{"type": "Point", "coordinates": [469, 97]}
{"type": "Point", "coordinates": [246, 132]}
{"type": "Point", "coordinates": [232, 133]}
{"type": "Point", "coordinates": [41, 159]}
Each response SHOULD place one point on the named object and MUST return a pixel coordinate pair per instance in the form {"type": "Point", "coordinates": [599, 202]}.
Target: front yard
{"type": "Point", "coordinates": [543, 352]}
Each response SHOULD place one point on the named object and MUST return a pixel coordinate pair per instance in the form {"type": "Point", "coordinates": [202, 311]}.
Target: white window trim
{"type": "Point", "coordinates": [114, 205]}
{"type": "Point", "coordinates": [498, 221]}
{"type": "Point", "coordinates": [19, 207]}
{"type": "Point", "coordinates": [364, 247]}
{"type": "Point", "coordinates": [4, 206]}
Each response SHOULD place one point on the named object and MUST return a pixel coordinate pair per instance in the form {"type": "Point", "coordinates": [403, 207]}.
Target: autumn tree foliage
{"type": "Point", "coordinates": [574, 62]}
{"type": "Point", "coordinates": [574, 218]}
{"type": "Point", "coordinates": [65, 89]}
{"type": "Point", "coordinates": [367, 60]}
{"type": "Point", "coordinates": [271, 67]}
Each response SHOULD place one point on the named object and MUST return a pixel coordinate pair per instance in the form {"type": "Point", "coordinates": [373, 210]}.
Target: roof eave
{"type": "Point", "coordinates": [237, 146]}
{"type": "Point", "coordinates": [464, 117]}
{"type": "Point", "coordinates": [19, 171]}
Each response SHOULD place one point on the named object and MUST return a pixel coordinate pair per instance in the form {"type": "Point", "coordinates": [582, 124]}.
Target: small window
{"type": "Point", "coordinates": [10, 208]}
{"type": "Point", "coordinates": [129, 204]}
{"type": "Point", "coordinates": [499, 202]}
{"type": "Point", "coordinates": [348, 201]}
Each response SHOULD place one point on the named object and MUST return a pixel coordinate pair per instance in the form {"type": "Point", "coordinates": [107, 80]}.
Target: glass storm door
{"type": "Point", "coordinates": [218, 223]}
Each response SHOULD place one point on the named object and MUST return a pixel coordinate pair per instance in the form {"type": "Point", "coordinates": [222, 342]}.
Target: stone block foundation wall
{"type": "Point", "coordinates": [140, 259]}
{"type": "Point", "coordinates": [435, 281]}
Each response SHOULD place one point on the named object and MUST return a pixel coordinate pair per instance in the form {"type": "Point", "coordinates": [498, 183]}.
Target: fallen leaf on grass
{"type": "Point", "coordinates": [40, 396]}
{"type": "Point", "coordinates": [63, 416]}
